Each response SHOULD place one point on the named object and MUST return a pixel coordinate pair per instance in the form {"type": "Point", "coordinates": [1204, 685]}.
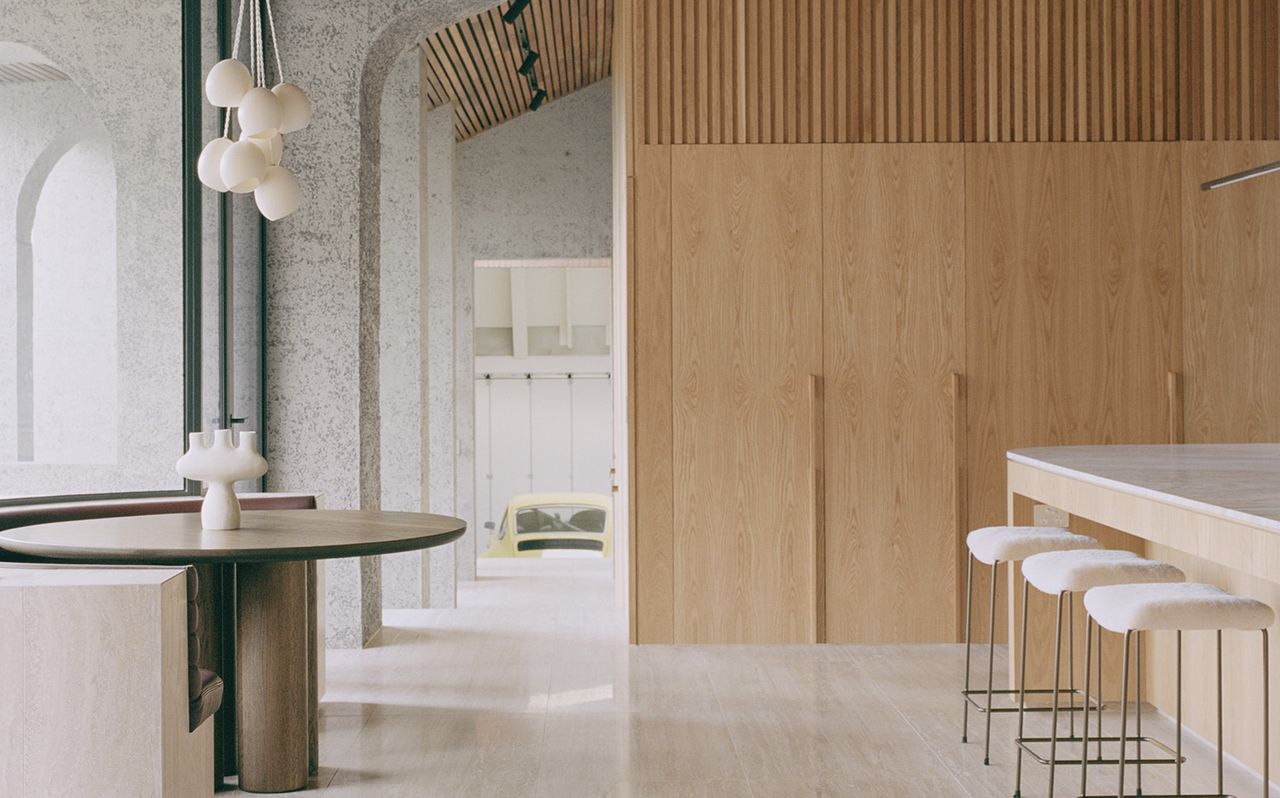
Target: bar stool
{"type": "Point", "coordinates": [1062, 574]}
{"type": "Point", "coordinates": [1131, 610]}
{"type": "Point", "coordinates": [991, 546]}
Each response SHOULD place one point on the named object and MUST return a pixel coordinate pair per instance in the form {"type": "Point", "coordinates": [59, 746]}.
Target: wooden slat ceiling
{"type": "Point", "coordinates": [472, 63]}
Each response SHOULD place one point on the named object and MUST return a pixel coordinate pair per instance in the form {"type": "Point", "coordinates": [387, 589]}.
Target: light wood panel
{"type": "Point", "coordinates": [893, 336]}
{"type": "Point", "coordinates": [1234, 555]}
{"type": "Point", "coordinates": [845, 71]}
{"type": "Point", "coordinates": [472, 63]}
{"type": "Point", "coordinates": [1231, 291]}
{"type": "Point", "coordinates": [652, 525]}
{"type": "Point", "coordinates": [1073, 289]}
{"type": "Point", "coordinates": [746, 338]}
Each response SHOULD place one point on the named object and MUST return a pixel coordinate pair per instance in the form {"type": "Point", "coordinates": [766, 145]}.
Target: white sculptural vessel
{"type": "Point", "coordinates": [220, 466]}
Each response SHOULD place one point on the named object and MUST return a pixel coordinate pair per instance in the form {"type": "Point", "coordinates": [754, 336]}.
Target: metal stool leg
{"type": "Point", "coordinates": [1266, 717]}
{"type": "Point", "coordinates": [1177, 765]}
{"type": "Point", "coordinates": [1022, 690]}
{"type": "Point", "coordinates": [1057, 675]}
{"type": "Point", "coordinates": [1220, 792]}
{"type": "Point", "coordinates": [1084, 733]}
{"type": "Point", "coordinates": [1098, 628]}
{"type": "Point", "coordinates": [968, 630]}
{"type": "Point", "coordinates": [1071, 661]}
{"type": "Point", "coordinates": [1124, 711]}
{"type": "Point", "coordinates": [991, 661]}
{"type": "Point", "coordinates": [1138, 761]}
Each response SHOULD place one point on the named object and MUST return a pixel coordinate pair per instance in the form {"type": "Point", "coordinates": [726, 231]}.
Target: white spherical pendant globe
{"type": "Point", "coordinates": [242, 167]}
{"type": "Point", "coordinates": [260, 112]}
{"type": "Point", "coordinates": [278, 195]}
{"type": "Point", "coordinates": [207, 167]}
{"type": "Point", "coordinates": [297, 108]}
{"type": "Point", "coordinates": [227, 83]}
{"type": "Point", "coordinates": [272, 147]}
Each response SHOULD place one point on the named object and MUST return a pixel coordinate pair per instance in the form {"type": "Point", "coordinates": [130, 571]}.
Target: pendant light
{"type": "Point", "coordinates": [252, 163]}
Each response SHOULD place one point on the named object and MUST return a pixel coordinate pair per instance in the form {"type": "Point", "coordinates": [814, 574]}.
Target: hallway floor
{"type": "Point", "coordinates": [530, 689]}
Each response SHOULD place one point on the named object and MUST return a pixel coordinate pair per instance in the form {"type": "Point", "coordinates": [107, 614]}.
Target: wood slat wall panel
{"type": "Point", "coordinates": [472, 63]}
{"type": "Point", "coordinates": [893, 336]}
{"type": "Point", "coordinates": [746, 286]}
{"type": "Point", "coordinates": [847, 71]}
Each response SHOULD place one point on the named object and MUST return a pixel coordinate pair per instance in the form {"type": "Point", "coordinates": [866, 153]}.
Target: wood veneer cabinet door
{"type": "Point", "coordinates": [1073, 287]}
{"type": "Point", "coordinates": [893, 339]}
{"type": "Point", "coordinates": [746, 274]}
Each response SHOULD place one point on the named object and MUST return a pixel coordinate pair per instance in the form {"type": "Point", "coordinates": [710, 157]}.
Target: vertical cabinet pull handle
{"type": "Point", "coordinates": [1173, 390]}
{"type": "Point", "coordinates": [819, 511]}
{"type": "Point", "coordinates": [959, 486]}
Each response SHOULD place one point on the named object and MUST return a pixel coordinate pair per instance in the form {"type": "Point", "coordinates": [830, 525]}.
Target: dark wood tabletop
{"type": "Point", "coordinates": [263, 536]}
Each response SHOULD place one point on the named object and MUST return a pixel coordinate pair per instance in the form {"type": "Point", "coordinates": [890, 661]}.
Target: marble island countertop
{"type": "Point", "coordinates": [1235, 481]}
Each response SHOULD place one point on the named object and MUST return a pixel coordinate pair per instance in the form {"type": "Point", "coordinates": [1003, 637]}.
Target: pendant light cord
{"type": "Point", "coordinates": [235, 51]}
{"type": "Point", "coordinates": [275, 48]}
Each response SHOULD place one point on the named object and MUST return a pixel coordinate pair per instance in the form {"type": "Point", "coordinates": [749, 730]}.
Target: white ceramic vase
{"type": "Point", "coordinates": [220, 466]}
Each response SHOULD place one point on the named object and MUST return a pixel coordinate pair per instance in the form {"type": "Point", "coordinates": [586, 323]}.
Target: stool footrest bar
{"type": "Point", "coordinates": [1023, 743]}
{"type": "Point", "coordinates": [971, 697]}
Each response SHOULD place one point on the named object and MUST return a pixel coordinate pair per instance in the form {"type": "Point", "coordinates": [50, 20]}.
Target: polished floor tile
{"type": "Point", "coordinates": [529, 688]}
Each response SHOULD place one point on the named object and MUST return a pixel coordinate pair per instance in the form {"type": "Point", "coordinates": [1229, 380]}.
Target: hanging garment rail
{"type": "Point", "coordinates": [557, 376]}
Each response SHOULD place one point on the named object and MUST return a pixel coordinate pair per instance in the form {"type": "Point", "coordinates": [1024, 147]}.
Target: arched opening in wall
{"type": "Point", "coordinates": [461, 172]}
{"type": "Point", "coordinates": [73, 307]}
{"type": "Point", "coordinates": [58, 274]}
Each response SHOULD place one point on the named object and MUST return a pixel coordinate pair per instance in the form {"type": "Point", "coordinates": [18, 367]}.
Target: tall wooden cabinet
{"type": "Point", "coordinates": [893, 342]}
{"type": "Point", "coordinates": [834, 346]}
{"type": "Point", "coordinates": [746, 278]}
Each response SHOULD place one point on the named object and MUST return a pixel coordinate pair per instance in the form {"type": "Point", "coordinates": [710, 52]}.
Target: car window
{"type": "Point", "coordinates": [560, 518]}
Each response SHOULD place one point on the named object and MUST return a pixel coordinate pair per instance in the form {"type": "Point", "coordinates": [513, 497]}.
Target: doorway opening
{"type": "Point", "coordinates": [544, 396]}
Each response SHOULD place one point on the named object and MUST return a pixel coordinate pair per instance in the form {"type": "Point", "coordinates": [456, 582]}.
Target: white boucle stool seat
{"type": "Point", "coordinates": [1188, 606]}
{"type": "Point", "coordinates": [994, 544]}
{"type": "Point", "coordinates": [1077, 571]}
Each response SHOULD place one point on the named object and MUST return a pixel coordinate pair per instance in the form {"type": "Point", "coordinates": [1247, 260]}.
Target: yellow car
{"type": "Point", "coordinates": [554, 525]}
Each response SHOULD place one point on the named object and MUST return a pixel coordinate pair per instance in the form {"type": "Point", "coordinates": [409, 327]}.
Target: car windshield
{"type": "Point", "coordinates": [560, 518]}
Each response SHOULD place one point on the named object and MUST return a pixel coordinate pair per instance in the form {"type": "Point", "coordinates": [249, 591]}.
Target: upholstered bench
{"type": "Point", "coordinates": [212, 652]}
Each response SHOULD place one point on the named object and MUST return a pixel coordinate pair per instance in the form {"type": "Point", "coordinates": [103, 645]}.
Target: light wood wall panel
{"type": "Point", "coordinates": [1073, 300]}
{"type": "Point", "coordinates": [746, 275]}
{"type": "Point", "coordinates": [1231, 262]}
{"type": "Point", "coordinates": [847, 71]}
{"type": "Point", "coordinates": [653, 522]}
{"type": "Point", "coordinates": [893, 339]}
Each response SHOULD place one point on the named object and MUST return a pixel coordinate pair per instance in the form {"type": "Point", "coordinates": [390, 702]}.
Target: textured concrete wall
{"type": "Point", "coordinates": [404, 581]}
{"type": "Point", "coordinates": [323, 263]}
{"type": "Point", "coordinates": [122, 56]}
{"type": "Point", "coordinates": [539, 186]}
{"type": "Point", "coordinates": [439, 352]}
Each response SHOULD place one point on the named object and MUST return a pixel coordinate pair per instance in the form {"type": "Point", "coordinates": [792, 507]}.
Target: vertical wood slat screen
{"type": "Point", "coordinates": [854, 71]}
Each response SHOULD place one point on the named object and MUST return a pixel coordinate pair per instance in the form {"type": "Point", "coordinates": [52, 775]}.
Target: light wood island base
{"type": "Point", "coordinates": [1213, 510]}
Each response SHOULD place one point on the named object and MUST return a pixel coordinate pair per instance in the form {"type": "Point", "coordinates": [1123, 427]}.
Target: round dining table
{"type": "Point", "coordinates": [271, 551]}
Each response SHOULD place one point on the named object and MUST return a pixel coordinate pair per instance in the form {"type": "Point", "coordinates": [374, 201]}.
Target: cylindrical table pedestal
{"type": "Point", "coordinates": [272, 675]}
